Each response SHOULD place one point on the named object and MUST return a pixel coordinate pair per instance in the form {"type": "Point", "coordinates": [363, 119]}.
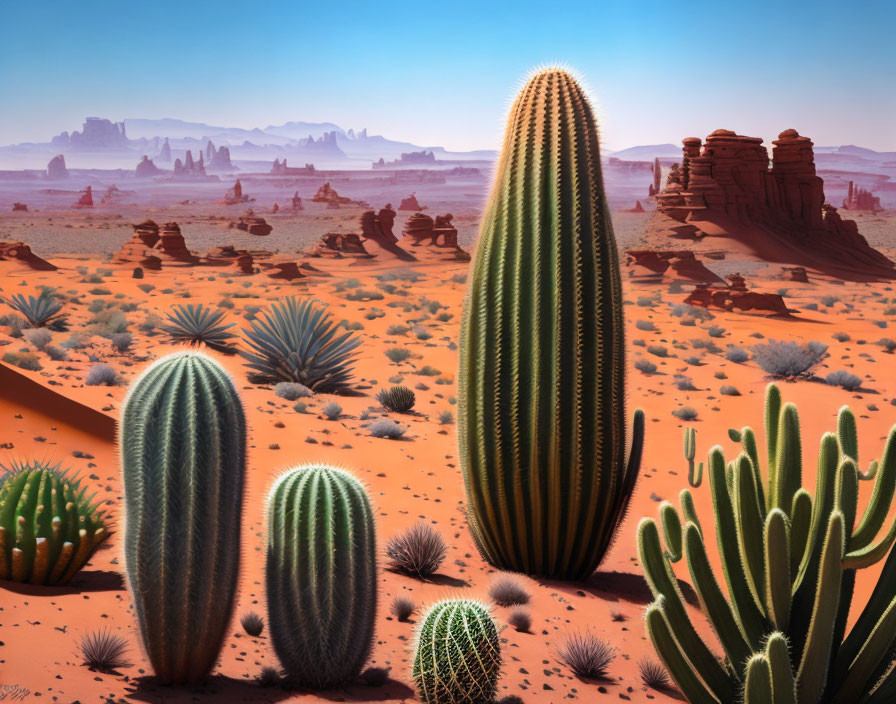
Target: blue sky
{"type": "Point", "coordinates": [443, 73]}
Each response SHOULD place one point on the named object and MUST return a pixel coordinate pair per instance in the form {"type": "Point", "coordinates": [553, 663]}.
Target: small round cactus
{"type": "Point", "coordinates": [49, 527]}
{"type": "Point", "coordinates": [458, 654]}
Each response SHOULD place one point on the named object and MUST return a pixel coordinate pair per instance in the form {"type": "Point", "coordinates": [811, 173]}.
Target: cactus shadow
{"type": "Point", "coordinates": [390, 690]}
{"type": "Point", "coordinates": [83, 581]}
{"type": "Point", "coordinates": [217, 688]}
{"type": "Point", "coordinates": [619, 586]}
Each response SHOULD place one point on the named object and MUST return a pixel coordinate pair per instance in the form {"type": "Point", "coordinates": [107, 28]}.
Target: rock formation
{"type": "Point", "coordinates": [281, 169]}
{"type": "Point", "coordinates": [56, 167]}
{"type": "Point", "coordinates": [19, 206]}
{"type": "Point", "coordinates": [252, 224]}
{"type": "Point", "coordinates": [434, 237]}
{"type": "Point", "coordinates": [164, 156]}
{"type": "Point", "coordinates": [296, 203]}
{"type": "Point", "coordinates": [287, 270]}
{"type": "Point", "coordinates": [337, 245]}
{"type": "Point", "coordinates": [858, 198]}
{"type": "Point", "coordinates": [217, 159]}
{"type": "Point", "coordinates": [146, 169]}
{"type": "Point", "coordinates": [408, 159]}
{"type": "Point", "coordinates": [736, 296]}
{"type": "Point", "coordinates": [171, 247]}
{"type": "Point", "coordinates": [96, 134]}
{"type": "Point", "coordinates": [228, 255]}
{"type": "Point", "coordinates": [410, 203]}
{"type": "Point", "coordinates": [235, 195]}
{"type": "Point", "coordinates": [137, 249]}
{"type": "Point", "coordinates": [637, 209]}
{"type": "Point", "coordinates": [21, 252]}
{"type": "Point", "coordinates": [189, 167]}
{"type": "Point", "coordinates": [86, 199]}
{"type": "Point", "coordinates": [726, 188]}
{"type": "Point", "coordinates": [796, 273]}
{"type": "Point", "coordinates": [327, 194]}
{"type": "Point", "coordinates": [655, 266]}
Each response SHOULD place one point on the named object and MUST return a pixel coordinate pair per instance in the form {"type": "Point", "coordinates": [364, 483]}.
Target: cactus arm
{"type": "Point", "coordinates": [749, 445]}
{"type": "Point", "coordinates": [671, 531]}
{"type": "Point", "coordinates": [873, 466]}
{"type": "Point", "coordinates": [749, 615]}
{"type": "Point", "coordinates": [847, 433]}
{"type": "Point", "coordinates": [777, 568]}
{"type": "Point", "coordinates": [758, 682]}
{"type": "Point", "coordinates": [695, 473]}
{"type": "Point", "coordinates": [772, 419]}
{"type": "Point", "coordinates": [735, 435]}
{"type": "Point", "coordinates": [750, 529]}
{"type": "Point", "coordinates": [662, 582]}
{"type": "Point", "coordinates": [789, 460]}
{"type": "Point", "coordinates": [865, 557]}
{"type": "Point", "coordinates": [716, 607]}
{"type": "Point", "coordinates": [688, 510]}
{"type": "Point", "coordinates": [816, 654]}
{"type": "Point", "coordinates": [800, 521]}
{"type": "Point", "coordinates": [881, 497]}
{"type": "Point", "coordinates": [783, 684]}
{"type": "Point", "coordinates": [674, 659]}
{"type": "Point", "coordinates": [854, 676]}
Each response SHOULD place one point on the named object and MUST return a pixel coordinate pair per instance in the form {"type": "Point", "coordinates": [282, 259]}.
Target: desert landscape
{"type": "Point", "coordinates": [301, 413]}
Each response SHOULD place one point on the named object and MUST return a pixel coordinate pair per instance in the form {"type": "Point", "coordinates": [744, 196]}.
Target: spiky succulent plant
{"type": "Point", "coordinates": [398, 398]}
{"type": "Point", "coordinates": [41, 311]}
{"type": "Point", "coordinates": [49, 526]}
{"type": "Point", "coordinates": [457, 658]}
{"type": "Point", "coordinates": [197, 325]}
{"type": "Point", "coordinates": [789, 560]}
{"type": "Point", "coordinates": [298, 341]}
{"type": "Point", "coordinates": [541, 390]}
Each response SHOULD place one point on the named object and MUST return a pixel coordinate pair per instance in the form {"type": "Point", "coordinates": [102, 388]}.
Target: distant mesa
{"type": "Point", "coordinates": [410, 203]}
{"type": "Point", "coordinates": [420, 159]}
{"type": "Point", "coordinates": [217, 159]}
{"type": "Point", "coordinates": [736, 296]}
{"type": "Point", "coordinates": [281, 169]}
{"type": "Point", "coordinates": [56, 167]}
{"type": "Point", "coordinates": [725, 188]}
{"type": "Point", "coordinates": [19, 207]}
{"type": "Point", "coordinates": [146, 168]}
{"type": "Point", "coordinates": [86, 199]}
{"type": "Point", "coordinates": [327, 194]}
{"type": "Point", "coordinates": [796, 273]}
{"type": "Point", "coordinates": [858, 198]}
{"type": "Point", "coordinates": [21, 252]}
{"type": "Point", "coordinates": [252, 224]}
{"type": "Point", "coordinates": [188, 167]}
{"type": "Point", "coordinates": [97, 134]}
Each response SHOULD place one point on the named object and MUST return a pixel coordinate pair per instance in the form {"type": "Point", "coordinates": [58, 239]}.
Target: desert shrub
{"type": "Point", "coordinates": [729, 390]}
{"type": "Point", "coordinates": [292, 391]}
{"type": "Point", "coordinates": [829, 300]}
{"type": "Point", "coordinates": [421, 332]}
{"type": "Point", "coordinates": [888, 344]}
{"type": "Point", "coordinates": [102, 375]}
{"type": "Point", "coordinates": [300, 407]}
{"type": "Point", "coordinates": [658, 350]}
{"type": "Point", "coordinates": [787, 358]}
{"type": "Point", "coordinates": [103, 650]}
{"type": "Point", "coordinates": [57, 354]}
{"type": "Point", "coordinates": [645, 325]}
{"type": "Point", "coordinates": [427, 370]}
{"type": "Point", "coordinates": [109, 322]}
{"type": "Point", "coordinates": [685, 413]}
{"type": "Point", "coordinates": [683, 310]}
{"type": "Point", "coordinates": [76, 341]}
{"type": "Point", "coordinates": [715, 331]}
{"type": "Point", "coordinates": [397, 354]}
{"type": "Point", "coordinates": [586, 655]}
{"type": "Point", "coordinates": [399, 399]}
{"type": "Point", "coordinates": [683, 383]}
{"type": "Point", "coordinates": [736, 354]}
{"type": "Point", "coordinates": [121, 341]}
{"type": "Point", "coordinates": [297, 341]}
{"type": "Point", "coordinates": [418, 551]}
{"type": "Point", "coordinates": [507, 591]}
{"type": "Point", "coordinates": [364, 295]}
{"type": "Point", "coordinates": [653, 674]}
{"type": "Point", "coordinates": [446, 418]}
{"type": "Point", "coordinates": [459, 278]}
{"type": "Point", "coordinates": [395, 330]}
{"type": "Point", "coordinates": [268, 677]}
{"type": "Point", "coordinates": [23, 360]}
{"type": "Point", "coordinates": [40, 311]}
{"type": "Point", "coordinates": [402, 608]}
{"type": "Point", "coordinates": [252, 623]}
{"type": "Point", "coordinates": [332, 410]}
{"type": "Point", "coordinates": [146, 288]}
{"type": "Point", "coordinates": [385, 428]}
{"type": "Point", "coordinates": [841, 336]}
{"type": "Point", "coordinates": [520, 619]}
{"type": "Point", "coordinates": [38, 337]}
{"type": "Point", "coordinates": [811, 306]}
{"type": "Point", "coordinates": [196, 325]}
{"type": "Point", "coordinates": [848, 381]}
{"type": "Point", "coordinates": [645, 365]}
{"type": "Point", "coordinates": [689, 322]}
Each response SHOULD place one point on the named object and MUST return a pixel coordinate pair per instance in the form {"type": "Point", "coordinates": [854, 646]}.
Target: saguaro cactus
{"type": "Point", "coordinates": [541, 411]}
{"type": "Point", "coordinates": [458, 654]}
{"type": "Point", "coordinates": [321, 575]}
{"type": "Point", "coordinates": [789, 560]}
{"type": "Point", "coordinates": [49, 526]}
{"type": "Point", "coordinates": [183, 452]}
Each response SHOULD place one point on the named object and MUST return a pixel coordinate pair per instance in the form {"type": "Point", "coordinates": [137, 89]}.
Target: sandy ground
{"type": "Point", "coordinates": [417, 478]}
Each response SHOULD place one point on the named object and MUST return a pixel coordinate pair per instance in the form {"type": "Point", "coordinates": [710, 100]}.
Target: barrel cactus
{"type": "Point", "coordinates": [541, 387]}
{"type": "Point", "coordinates": [320, 575]}
{"type": "Point", "coordinates": [789, 560]}
{"type": "Point", "coordinates": [49, 526]}
{"type": "Point", "coordinates": [458, 654]}
{"type": "Point", "coordinates": [183, 453]}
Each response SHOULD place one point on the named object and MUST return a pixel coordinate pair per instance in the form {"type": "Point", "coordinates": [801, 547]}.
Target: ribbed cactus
{"type": "Point", "coordinates": [789, 561]}
{"type": "Point", "coordinates": [49, 527]}
{"type": "Point", "coordinates": [183, 453]}
{"type": "Point", "coordinates": [458, 654]}
{"type": "Point", "coordinates": [320, 575]}
{"type": "Point", "coordinates": [541, 402]}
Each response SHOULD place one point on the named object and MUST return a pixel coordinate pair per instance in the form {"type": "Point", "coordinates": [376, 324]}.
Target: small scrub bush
{"type": "Point", "coordinates": [385, 428]}
{"type": "Point", "coordinates": [658, 350]}
{"type": "Point", "coordinates": [395, 330]}
{"type": "Point", "coordinates": [848, 381]}
{"type": "Point", "coordinates": [520, 619]}
{"type": "Point", "coordinates": [736, 354]}
{"type": "Point", "coordinates": [402, 608]}
{"type": "Point", "coordinates": [645, 366]}
{"type": "Point", "coordinates": [121, 341]}
{"type": "Point", "coordinates": [507, 591]}
{"type": "Point", "coordinates": [252, 623]}
{"type": "Point", "coordinates": [446, 418]}
{"type": "Point", "coordinates": [103, 650]}
{"type": "Point", "coordinates": [397, 354]}
{"type": "Point", "coordinates": [332, 410]}
{"type": "Point", "coordinates": [653, 674]}
{"type": "Point", "coordinates": [645, 325]}
{"type": "Point", "coordinates": [102, 375]}
{"type": "Point", "coordinates": [38, 337]}
{"type": "Point", "coordinates": [23, 360]}
{"type": "Point", "coordinates": [787, 358]}
{"type": "Point", "coordinates": [715, 331]}
{"type": "Point", "coordinates": [292, 391]}
{"type": "Point", "coordinates": [399, 399]}
{"type": "Point", "coordinates": [586, 655]}
{"type": "Point", "coordinates": [841, 336]}
{"type": "Point", "coordinates": [428, 371]}
{"type": "Point", "coordinates": [683, 383]}
{"type": "Point", "coordinates": [685, 413]}
{"type": "Point", "coordinates": [729, 390]}
{"type": "Point", "coordinates": [418, 551]}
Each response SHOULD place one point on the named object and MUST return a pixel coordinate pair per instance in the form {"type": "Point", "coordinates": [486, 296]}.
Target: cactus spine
{"type": "Point", "coordinates": [320, 575]}
{"type": "Point", "coordinates": [541, 412]}
{"type": "Point", "coordinates": [49, 527]}
{"type": "Point", "coordinates": [789, 560]}
{"type": "Point", "coordinates": [183, 451]}
{"type": "Point", "coordinates": [458, 654]}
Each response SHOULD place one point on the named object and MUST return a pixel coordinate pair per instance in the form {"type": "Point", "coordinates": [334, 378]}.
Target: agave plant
{"type": "Point", "coordinates": [298, 341]}
{"type": "Point", "coordinates": [198, 325]}
{"type": "Point", "coordinates": [40, 312]}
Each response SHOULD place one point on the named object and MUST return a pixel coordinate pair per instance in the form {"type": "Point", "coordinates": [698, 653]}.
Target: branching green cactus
{"type": "Point", "coordinates": [789, 560]}
{"type": "Point", "coordinates": [320, 575]}
{"type": "Point", "coordinates": [49, 527]}
{"type": "Point", "coordinates": [695, 471]}
{"type": "Point", "coordinates": [183, 454]}
{"type": "Point", "coordinates": [541, 388]}
{"type": "Point", "coordinates": [458, 655]}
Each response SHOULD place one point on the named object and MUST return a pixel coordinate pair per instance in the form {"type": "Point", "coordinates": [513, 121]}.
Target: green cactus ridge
{"type": "Point", "coordinates": [183, 454]}
{"type": "Point", "coordinates": [789, 559]}
{"type": "Point", "coordinates": [541, 409]}
{"type": "Point", "coordinates": [320, 575]}
{"type": "Point", "coordinates": [49, 526]}
{"type": "Point", "coordinates": [457, 659]}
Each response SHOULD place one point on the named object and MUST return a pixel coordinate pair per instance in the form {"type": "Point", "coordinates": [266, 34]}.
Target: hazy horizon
{"type": "Point", "coordinates": [444, 76]}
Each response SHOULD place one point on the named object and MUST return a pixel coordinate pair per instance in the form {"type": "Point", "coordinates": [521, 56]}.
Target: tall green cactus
{"type": "Point", "coordinates": [541, 388]}
{"type": "Point", "coordinates": [183, 452]}
{"type": "Point", "coordinates": [789, 561]}
{"type": "Point", "coordinates": [49, 527]}
{"type": "Point", "coordinates": [320, 575]}
{"type": "Point", "coordinates": [458, 654]}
